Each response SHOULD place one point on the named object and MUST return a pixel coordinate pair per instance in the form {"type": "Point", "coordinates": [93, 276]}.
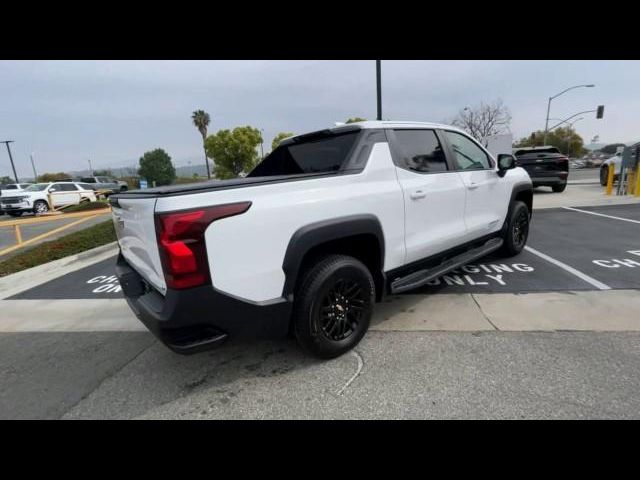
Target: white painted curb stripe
{"type": "Point", "coordinates": [583, 276]}
{"type": "Point", "coordinates": [602, 215]}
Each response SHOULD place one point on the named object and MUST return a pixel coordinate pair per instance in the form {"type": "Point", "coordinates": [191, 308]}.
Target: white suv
{"type": "Point", "coordinates": [37, 197]}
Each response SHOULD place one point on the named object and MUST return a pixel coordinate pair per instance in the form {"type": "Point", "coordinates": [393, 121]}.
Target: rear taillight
{"type": "Point", "coordinates": [183, 252]}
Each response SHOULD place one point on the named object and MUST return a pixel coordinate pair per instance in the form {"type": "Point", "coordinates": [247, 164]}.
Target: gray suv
{"type": "Point", "coordinates": [106, 183]}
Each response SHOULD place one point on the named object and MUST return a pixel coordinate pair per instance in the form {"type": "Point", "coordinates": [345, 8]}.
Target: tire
{"type": "Point", "coordinates": [559, 188]}
{"type": "Point", "coordinates": [15, 214]}
{"type": "Point", "coordinates": [40, 206]}
{"type": "Point", "coordinates": [517, 232]}
{"type": "Point", "coordinates": [604, 173]}
{"type": "Point", "coordinates": [333, 306]}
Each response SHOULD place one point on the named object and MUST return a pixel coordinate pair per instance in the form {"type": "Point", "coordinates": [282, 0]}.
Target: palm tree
{"type": "Point", "coordinates": [201, 120]}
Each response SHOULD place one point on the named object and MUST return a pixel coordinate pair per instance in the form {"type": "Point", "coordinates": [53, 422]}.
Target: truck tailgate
{"type": "Point", "coordinates": [133, 219]}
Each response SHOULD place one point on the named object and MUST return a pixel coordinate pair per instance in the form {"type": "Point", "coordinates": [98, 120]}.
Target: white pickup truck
{"type": "Point", "coordinates": [320, 230]}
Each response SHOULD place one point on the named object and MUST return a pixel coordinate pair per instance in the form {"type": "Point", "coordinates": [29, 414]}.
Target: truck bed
{"type": "Point", "coordinates": [211, 185]}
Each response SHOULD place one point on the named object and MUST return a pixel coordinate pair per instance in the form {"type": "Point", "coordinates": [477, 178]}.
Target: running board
{"type": "Point", "coordinates": [419, 278]}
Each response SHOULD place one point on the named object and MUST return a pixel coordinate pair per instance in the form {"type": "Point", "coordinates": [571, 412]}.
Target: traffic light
{"type": "Point", "coordinates": [600, 112]}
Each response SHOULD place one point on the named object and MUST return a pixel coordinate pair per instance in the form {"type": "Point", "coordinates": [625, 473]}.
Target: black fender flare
{"type": "Point", "coordinates": [317, 233]}
{"type": "Point", "coordinates": [518, 188]}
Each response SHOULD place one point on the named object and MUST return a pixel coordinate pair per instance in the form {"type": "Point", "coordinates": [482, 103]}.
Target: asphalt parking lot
{"type": "Point", "coordinates": [568, 250]}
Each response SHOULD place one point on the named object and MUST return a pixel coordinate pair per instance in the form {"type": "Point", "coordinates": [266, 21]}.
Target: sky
{"type": "Point", "coordinates": [65, 112]}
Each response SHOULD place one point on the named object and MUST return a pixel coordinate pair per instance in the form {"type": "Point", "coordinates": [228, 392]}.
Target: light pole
{"type": "Point", "coordinates": [379, 88]}
{"type": "Point", "coordinates": [546, 125]}
{"type": "Point", "coordinates": [13, 167]}
{"type": "Point", "coordinates": [33, 165]}
{"type": "Point", "coordinates": [261, 142]}
{"type": "Point", "coordinates": [90, 167]}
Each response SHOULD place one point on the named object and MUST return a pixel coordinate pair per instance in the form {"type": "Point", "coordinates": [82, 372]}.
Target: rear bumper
{"type": "Point", "coordinates": [549, 179]}
{"type": "Point", "coordinates": [197, 319]}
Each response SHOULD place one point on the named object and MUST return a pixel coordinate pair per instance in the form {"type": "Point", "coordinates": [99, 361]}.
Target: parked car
{"type": "Point", "coordinates": [106, 183]}
{"type": "Point", "coordinates": [35, 198]}
{"type": "Point", "coordinates": [12, 188]}
{"type": "Point", "coordinates": [616, 161]}
{"type": "Point", "coordinates": [327, 224]}
{"type": "Point", "coordinates": [546, 166]}
{"type": "Point", "coordinates": [577, 164]}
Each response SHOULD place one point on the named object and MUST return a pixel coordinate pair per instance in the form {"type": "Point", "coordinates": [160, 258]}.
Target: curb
{"type": "Point", "coordinates": [32, 277]}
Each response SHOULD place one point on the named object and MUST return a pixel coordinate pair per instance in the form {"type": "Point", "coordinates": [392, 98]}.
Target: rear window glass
{"type": "Point", "coordinates": [318, 155]}
{"type": "Point", "coordinates": [537, 150]}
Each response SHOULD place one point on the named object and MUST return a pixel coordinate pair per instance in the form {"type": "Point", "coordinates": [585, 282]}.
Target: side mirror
{"type": "Point", "coordinates": [505, 162]}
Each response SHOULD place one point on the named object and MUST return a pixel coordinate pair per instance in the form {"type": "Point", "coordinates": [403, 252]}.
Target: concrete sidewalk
{"type": "Point", "coordinates": [610, 310]}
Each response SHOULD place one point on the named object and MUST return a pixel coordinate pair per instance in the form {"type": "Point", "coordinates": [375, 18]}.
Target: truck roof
{"type": "Point", "coordinates": [370, 124]}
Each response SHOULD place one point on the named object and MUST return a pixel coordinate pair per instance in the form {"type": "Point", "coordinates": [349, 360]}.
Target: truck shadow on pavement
{"type": "Point", "coordinates": [158, 383]}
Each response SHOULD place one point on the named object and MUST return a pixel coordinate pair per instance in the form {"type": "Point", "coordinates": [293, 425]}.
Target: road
{"type": "Point", "coordinates": [8, 238]}
{"type": "Point", "coordinates": [390, 375]}
{"type": "Point", "coordinates": [584, 175]}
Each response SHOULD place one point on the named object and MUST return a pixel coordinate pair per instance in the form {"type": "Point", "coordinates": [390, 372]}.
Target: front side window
{"type": "Point", "coordinates": [38, 187]}
{"type": "Point", "coordinates": [65, 187]}
{"type": "Point", "coordinates": [421, 151]}
{"type": "Point", "coordinates": [468, 155]}
{"type": "Point", "coordinates": [321, 154]}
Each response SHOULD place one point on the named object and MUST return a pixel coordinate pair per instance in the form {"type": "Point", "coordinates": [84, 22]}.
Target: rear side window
{"type": "Point", "coordinates": [11, 187]}
{"type": "Point", "coordinates": [89, 180]}
{"type": "Point", "coordinates": [468, 155]}
{"type": "Point", "coordinates": [325, 154]}
{"type": "Point", "coordinates": [421, 151]}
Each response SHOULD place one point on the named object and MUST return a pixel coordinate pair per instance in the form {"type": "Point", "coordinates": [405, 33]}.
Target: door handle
{"type": "Point", "coordinates": [472, 186]}
{"type": "Point", "coordinates": [418, 194]}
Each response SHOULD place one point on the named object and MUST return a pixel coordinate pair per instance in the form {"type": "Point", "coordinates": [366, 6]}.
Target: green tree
{"type": "Point", "coordinates": [564, 139]}
{"type": "Point", "coordinates": [4, 180]}
{"type": "Point", "coordinates": [356, 119]}
{"type": "Point", "coordinates": [103, 173]}
{"type": "Point", "coordinates": [53, 177]}
{"type": "Point", "coordinates": [156, 166]}
{"type": "Point", "coordinates": [234, 150]}
{"type": "Point", "coordinates": [612, 148]}
{"type": "Point", "coordinates": [278, 138]}
{"type": "Point", "coordinates": [201, 120]}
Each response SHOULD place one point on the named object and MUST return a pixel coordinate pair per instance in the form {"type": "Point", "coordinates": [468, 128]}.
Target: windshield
{"type": "Point", "coordinates": [318, 154]}
{"type": "Point", "coordinates": [38, 187]}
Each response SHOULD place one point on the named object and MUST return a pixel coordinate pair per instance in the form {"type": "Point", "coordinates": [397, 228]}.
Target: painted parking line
{"type": "Point", "coordinates": [570, 269]}
{"type": "Point", "coordinates": [601, 215]}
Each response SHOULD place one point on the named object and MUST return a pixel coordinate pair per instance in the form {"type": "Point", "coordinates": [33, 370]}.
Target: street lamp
{"type": "Point", "coordinates": [379, 88]}
{"type": "Point", "coordinates": [546, 125]}
{"type": "Point", "coordinates": [13, 167]}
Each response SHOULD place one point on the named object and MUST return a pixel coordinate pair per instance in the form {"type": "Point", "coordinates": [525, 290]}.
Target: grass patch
{"type": "Point", "coordinates": [70, 244]}
{"type": "Point", "coordinates": [81, 207]}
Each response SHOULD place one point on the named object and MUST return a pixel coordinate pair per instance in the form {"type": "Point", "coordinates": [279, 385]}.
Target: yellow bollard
{"type": "Point", "coordinates": [631, 182]}
{"type": "Point", "coordinates": [610, 179]}
{"type": "Point", "coordinates": [637, 187]}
